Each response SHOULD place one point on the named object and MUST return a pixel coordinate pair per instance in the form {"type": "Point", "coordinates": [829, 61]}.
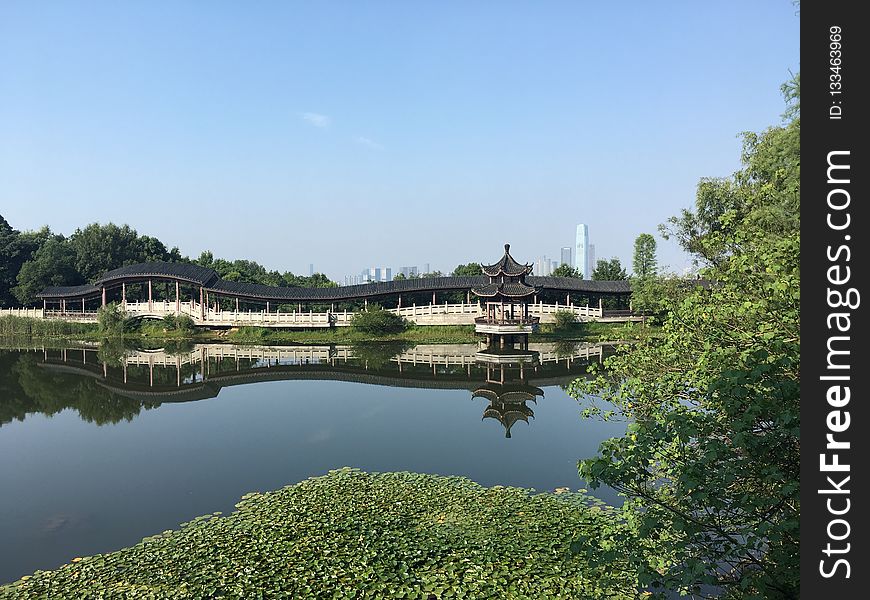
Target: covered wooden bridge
{"type": "Point", "coordinates": [158, 289]}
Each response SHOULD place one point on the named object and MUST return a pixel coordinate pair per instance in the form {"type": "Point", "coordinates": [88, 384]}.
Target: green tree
{"type": "Point", "coordinates": [100, 248]}
{"type": "Point", "coordinates": [645, 256]}
{"type": "Point", "coordinates": [11, 259]}
{"type": "Point", "coordinates": [710, 462]}
{"type": "Point", "coordinates": [16, 248]}
{"type": "Point", "coordinates": [566, 270]}
{"type": "Point", "coordinates": [609, 270]}
{"type": "Point", "coordinates": [53, 264]}
{"type": "Point", "coordinates": [469, 270]}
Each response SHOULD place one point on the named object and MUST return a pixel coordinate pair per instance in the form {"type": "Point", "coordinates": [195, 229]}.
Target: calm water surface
{"type": "Point", "coordinates": [100, 447]}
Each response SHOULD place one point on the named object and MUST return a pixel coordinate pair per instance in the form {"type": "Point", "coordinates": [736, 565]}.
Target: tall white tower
{"type": "Point", "coordinates": [581, 250]}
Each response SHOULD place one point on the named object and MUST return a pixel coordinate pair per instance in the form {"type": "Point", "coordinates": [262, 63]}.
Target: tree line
{"type": "Point", "coordinates": [33, 260]}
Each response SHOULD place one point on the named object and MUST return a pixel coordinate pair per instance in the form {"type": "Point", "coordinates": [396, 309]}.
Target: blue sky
{"type": "Point", "coordinates": [350, 134]}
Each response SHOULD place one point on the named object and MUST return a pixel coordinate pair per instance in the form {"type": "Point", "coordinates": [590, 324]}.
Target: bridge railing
{"type": "Point", "coordinates": [31, 313]}
{"type": "Point", "coordinates": [423, 314]}
{"type": "Point", "coordinates": [540, 309]}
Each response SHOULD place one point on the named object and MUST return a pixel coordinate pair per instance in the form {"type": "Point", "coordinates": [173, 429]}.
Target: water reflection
{"type": "Point", "coordinates": [198, 426]}
{"type": "Point", "coordinates": [109, 383]}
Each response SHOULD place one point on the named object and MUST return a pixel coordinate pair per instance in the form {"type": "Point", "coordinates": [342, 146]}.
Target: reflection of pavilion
{"type": "Point", "coordinates": [506, 387]}
{"type": "Point", "coordinates": [507, 402]}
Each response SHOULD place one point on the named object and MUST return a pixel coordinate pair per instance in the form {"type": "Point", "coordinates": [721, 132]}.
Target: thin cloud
{"type": "Point", "coordinates": [368, 143]}
{"type": "Point", "coordinates": [317, 120]}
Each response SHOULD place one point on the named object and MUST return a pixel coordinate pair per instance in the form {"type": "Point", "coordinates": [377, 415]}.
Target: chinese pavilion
{"type": "Point", "coordinates": [507, 297]}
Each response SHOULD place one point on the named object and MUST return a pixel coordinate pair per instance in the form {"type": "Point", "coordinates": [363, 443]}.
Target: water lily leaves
{"type": "Point", "coordinates": [352, 534]}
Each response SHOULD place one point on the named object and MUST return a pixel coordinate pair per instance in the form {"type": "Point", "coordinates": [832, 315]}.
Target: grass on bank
{"type": "Point", "coordinates": [25, 327]}
{"type": "Point", "coordinates": [352, 534]}
{"type": "Point", "coordinates": [11, 325]}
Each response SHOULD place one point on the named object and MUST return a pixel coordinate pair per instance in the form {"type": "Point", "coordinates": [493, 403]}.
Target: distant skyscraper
{"type": "Point", "coordinates": [543, 266]}
{"type": "Point", "coordinates": [310, 269]}
{"type": "Point", "coordinates": [566, 256]}
{"type": "Point", "coordinates": [553, 266]}
{"type": "Point", "coordinates": [592, 264]}
{"type": "Point", "coordinates": [581, 250]}
{"type": "Point", "coordinates": [426, 268]}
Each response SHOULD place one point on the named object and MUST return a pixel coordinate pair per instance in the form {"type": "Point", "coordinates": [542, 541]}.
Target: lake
{"type": "Point", "coordinates": [102, 446]}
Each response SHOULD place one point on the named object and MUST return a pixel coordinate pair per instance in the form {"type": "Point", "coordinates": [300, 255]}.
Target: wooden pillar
{"type": "Point", "coordinates": [83, 306]}
{"type": "Point", "coordinates": [150, 297]}
{"type": "Point", "coordinates": [44, 305]}
{"type": "Point", "coordinates": [201, 305]}
{"type": "Point", "coordinates": [400, 300]}
{"type": "Point", "coordinates": [468, 297]}
{"type": "Point", "coordinates": [177, 299]}
{"type": "Point", "coordinates": [433, 297]}
{"type": "Point", "coordinates": [237, 304]}
{"type": "Point", "coordinates": [104, 295]}
{"type": "Point", "coordinates": [124, 295]}
{"type": "Point", "coordinates": [366, 303]}
{"type": "Point", "coordinates": [63, 306]}
{"type": "Point", "coordinates": [600, 305]}
{"type": "Point", "coordinates": [268, 306]}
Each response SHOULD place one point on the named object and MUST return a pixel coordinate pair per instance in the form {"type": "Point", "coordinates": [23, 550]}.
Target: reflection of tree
{"type": "Point", "coordinates": [179, 347]}
{"type": "Point", "coordinates": [27, 388]}
{"type": "Point", "coordinates": [14, 403]}
{"type": "Point", "coordinates": [112, 351]}
{"type": "Point", "coordinates": [377, 355]}
{"type": "Point", "coordinates": [566, 348]}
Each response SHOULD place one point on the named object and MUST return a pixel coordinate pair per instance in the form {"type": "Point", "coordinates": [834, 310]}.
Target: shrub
{"type": "Point", "coordinates": [565, 320]}
{"type": "Point", "coordinates": [111, 319]}
{"type": "Point", "coordinates": [182, 323]}
{"type": "Point", "coordinates": [378, 321]}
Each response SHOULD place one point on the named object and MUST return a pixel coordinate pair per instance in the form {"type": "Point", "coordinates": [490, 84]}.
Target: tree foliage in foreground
{"type": "Point", "coordinates": [710, 461]}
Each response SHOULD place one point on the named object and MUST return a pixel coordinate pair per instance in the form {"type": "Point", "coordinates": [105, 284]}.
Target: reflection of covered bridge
{"type": "Point", "coordinates": [158, 289]}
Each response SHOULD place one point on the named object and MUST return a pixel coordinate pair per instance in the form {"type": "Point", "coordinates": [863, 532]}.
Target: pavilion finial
{"type": "Point", "coordinates": [507, 248]}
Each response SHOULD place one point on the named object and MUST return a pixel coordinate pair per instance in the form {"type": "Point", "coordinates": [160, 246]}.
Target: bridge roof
{"type": "Point", "coordinates": [184, 271]}
{"type": "Point", "coordinates": [349, 292]}
{"type": "Point", "coordinates": [69, 291]}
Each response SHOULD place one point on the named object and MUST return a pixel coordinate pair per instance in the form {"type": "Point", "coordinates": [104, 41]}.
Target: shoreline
{"type": "Point", "coordinates": [32, 329]}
